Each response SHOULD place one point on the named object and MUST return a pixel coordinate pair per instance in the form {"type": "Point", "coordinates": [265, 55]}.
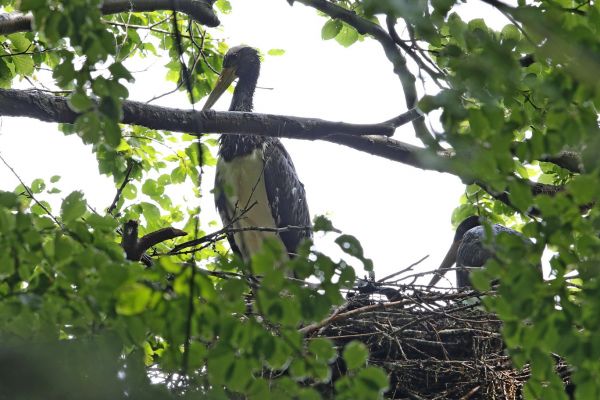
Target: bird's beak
{"type": "Point", "coordinates": [448, 261]}
{"type": "Point", "coordinates": [228, 75]}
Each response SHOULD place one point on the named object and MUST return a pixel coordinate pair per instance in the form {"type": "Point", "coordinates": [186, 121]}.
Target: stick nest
{"type": "Point", "coordinates": [433, 345]}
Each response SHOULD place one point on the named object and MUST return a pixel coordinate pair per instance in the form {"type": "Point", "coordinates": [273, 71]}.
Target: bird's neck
{"type": "Point", "coordinates": [240, 145]}
{"type": "Point", "coordinates": [234, 145]}
{"type": "Point", "coordinates": [243, 93]}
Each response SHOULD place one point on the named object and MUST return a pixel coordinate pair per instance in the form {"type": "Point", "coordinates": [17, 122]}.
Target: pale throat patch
{"type": "Point", "coordinates": [242, 181]}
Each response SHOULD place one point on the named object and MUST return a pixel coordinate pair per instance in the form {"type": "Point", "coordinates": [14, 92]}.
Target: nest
{"type": "Point", "coordinates": [433, 345]}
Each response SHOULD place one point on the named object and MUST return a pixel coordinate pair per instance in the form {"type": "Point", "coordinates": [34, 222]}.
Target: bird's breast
{"type": "Point", "coordinates": [241, 181]}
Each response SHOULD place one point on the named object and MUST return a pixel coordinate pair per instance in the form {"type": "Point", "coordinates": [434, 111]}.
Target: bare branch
{"type": "Point", "coordinates": [199, 10]}
{"type": "Point", "coordinates": [45, 107]}
{"type": "Point", "coordinates": [222, 233]}
{"type": "Point", "coordinates": [135, 248]}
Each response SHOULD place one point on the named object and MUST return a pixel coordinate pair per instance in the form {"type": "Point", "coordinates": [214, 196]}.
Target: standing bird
{"type": "Point", "coordinates": [469, 250]}
{"type": "Point", "coordinates": [256, 183]}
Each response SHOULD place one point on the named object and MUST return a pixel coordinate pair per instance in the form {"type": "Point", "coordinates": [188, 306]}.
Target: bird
{"type": "Point", "coordinates": [256, 183]}
{"type": "Point", "coordinates": [469, 250]}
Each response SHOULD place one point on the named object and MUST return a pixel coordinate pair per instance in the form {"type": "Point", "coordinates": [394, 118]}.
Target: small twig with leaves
{"type": "Point", "coordinates": [31, 195]}
{"type": "Point", "coordinates": [126, 181]}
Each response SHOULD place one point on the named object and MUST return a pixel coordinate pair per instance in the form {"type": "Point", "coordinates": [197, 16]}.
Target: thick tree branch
{"type": "Point", "coordinates": [392, 52]}
{"type": "Point", "coordinates": [46, 107]}
{"type": "Point", "coordinates": [568, 160]}
{"type": "Point", "coordinates": [199, 10]}
{"type": "Point", "coordinates": [52, 108]}
{"type": "Point", "coordinates": [135, 248]}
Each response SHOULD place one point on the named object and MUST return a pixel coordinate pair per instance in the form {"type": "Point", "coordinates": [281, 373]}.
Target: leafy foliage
{"type": "Point", "coordinates": [510, 102]}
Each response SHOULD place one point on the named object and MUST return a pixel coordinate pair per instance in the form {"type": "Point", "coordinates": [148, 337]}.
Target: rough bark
{"type": "Point", "coordinates": [200, 11]}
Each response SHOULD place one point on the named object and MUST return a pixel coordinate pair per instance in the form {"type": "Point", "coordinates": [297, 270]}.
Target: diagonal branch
{"type": "Point", "coordinates": [364, 26]}
{"type": "Point", "coordinates": [199, 10]}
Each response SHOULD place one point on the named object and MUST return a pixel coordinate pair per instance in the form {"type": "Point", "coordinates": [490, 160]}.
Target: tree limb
{"type": "Point", "coordinates": [45, 107]}
{"type": "Point", "coordinates": [569, 160]}
{"type": "Point", "coordinates": [199, 10]}
{"type": "Point", "coordinates": [50, 108]}
{"type": "Point", "coordinates": [135, 248]}
{"type": "Point", "coordinates": [364, 26]}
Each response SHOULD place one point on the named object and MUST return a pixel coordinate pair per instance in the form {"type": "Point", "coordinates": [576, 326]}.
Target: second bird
{"type": "Point", "coordinates": [469, 250]}
{"type": "Point", "coordinates": [256, 183]}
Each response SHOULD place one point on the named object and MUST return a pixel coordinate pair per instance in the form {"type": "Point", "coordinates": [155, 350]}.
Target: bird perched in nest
{"type": "Point", "coordinates": [256, 183]}
{"type": "Point", "coordinates": [469, 250]}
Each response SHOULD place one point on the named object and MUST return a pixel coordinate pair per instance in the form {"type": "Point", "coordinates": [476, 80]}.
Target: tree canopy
{"type": "Point", "coordinates": [139, 301]}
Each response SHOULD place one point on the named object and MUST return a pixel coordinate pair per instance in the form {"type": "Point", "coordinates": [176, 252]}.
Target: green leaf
{"type": "Point", "coordinates": [37, 186]}
{"type": "Point", "coordinates": [20, 42]}
{"type": "Point", "coordinates": [350, 245]}
{"type": "Point", "coordinates": [79, 102]}
{"type": "Point", "coordinates": [276, 52]}
{"type": "Point", "coordinates": [133, 299]}
{"type": "Point", "coordinates": [23, 64]}
{"type": "Point", "coordinates": [331, 29]}
{"type": "Point", "coordinates": [73, 207]}
{"type": "Point", "coordinates": [355, 354]}
{"type": "Point", "coordinates": [323, 349]}
{"type": "Point", "coordinates": [152, 188]}
{"type": "Point", "coordinates": [7, 265]}
{"type": "Point", "coordinates": [120, 72]}
{"type": "Point", "coordinates": [347, 36]}
{"type": "Point", "coordinates": [224, 6]}
{"type": "Point", "coordinates": [8, 199]}
{"type": "Point", "coordinates": [322, 224]}
{"type": "Point", "coordinates": [374, 377]}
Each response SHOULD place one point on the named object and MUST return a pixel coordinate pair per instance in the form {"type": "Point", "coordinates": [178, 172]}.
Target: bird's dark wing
{"type": "Point", "coordinates": [286, 195]}
{"type": "Point", "coordinates": [472, 251]}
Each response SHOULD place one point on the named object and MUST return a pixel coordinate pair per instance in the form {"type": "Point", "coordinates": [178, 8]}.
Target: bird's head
{"type": "Point", "coordinates": [240, 62]}
{"type": "Point", "coordinates": [469, 223]}
{"type": "Point", "coordinates": [450, 257]}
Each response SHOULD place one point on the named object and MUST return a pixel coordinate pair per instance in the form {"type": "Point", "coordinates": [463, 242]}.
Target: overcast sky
{"type": "Point", "coordinates": [399, 213]}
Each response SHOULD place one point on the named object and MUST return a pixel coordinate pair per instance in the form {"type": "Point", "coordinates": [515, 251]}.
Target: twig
{"type": "Point", "coordinates": [30, 194]}
{"type": "Point", "coordinates": [410, 267]}
{"type": "Point", "coordinates": [218, 235]}
{"type": "Point", "coordinates": [391, 51]}
{"type": "Point", "coordinates": [126, 180]}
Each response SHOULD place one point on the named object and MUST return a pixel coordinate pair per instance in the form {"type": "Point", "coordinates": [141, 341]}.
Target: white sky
{"type": "Point", "coordinates": [399, 213]}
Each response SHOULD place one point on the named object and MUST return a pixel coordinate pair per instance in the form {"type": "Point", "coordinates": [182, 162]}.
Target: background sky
{"type": "Point", "coordinates": [399, 213]}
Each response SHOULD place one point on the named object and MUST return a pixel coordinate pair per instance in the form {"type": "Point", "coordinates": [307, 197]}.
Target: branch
{"type": "Point", "coordinates": [30, 194]}
{"type": "Point", "coordinates": [135, 248]}
{"type": "Point", "coordinates": [199, 10]}
{"type": "Point", "coordinates": [391, 27]}
{"type": "Point", "coordinates": [126, 181]}
{"type": "Point", "coordinates": [364, 26]}
{"type": "Point", "coordinates": [50, 108]}
{"type": "Point", "coordinates": [568, 160]}
{"type": "Point", "coordinates": [218, 235]}
{"type": "Point", "coordinates": [45, 107]}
